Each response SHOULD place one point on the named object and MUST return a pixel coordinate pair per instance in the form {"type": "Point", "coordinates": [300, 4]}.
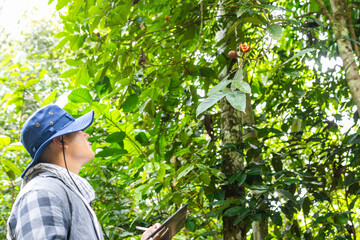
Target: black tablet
{"type": "Point", "coordinates": [172, 225]}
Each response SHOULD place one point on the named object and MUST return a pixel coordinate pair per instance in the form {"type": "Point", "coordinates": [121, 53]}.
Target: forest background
{"type": "Point", "coordinates": [262, 143]}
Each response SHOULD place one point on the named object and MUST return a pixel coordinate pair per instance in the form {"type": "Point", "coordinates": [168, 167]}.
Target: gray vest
{"type": "Point", "coordinates": [79, 220]}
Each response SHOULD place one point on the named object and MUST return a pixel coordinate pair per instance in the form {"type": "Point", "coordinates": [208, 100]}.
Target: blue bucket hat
{"type": "Point", "coordinates": [46, 124]}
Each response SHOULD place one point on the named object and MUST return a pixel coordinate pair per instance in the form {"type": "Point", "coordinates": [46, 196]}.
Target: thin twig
{"type": "Point", "coordinates": [307, 14]}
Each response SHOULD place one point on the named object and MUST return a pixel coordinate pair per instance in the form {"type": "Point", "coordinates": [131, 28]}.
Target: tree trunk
{"type": "Point", "coordinates": [346, 51]}
{"type": "Point", "coordinates": [231, 132]}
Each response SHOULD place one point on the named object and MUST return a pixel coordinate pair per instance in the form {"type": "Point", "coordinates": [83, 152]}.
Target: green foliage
{"type": "Point", "coordinates": [155, 74]}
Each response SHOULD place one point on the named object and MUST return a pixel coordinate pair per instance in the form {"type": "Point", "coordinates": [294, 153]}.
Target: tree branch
{"type": "Point", "coordinates": [307, 14]}
{"type": "Point", "coordinates": [325, 10]}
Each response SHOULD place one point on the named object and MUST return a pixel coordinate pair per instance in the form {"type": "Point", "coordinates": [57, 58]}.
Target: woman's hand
{"type": "Point", "coordinates": [149, 231]}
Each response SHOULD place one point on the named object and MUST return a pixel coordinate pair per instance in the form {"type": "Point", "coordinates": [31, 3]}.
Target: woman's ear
{"type": "Point", "coordinates": [60, 142]}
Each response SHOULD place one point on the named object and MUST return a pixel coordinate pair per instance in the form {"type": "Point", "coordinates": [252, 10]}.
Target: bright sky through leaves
{"type": "Point", "coordinates": [16, 15]}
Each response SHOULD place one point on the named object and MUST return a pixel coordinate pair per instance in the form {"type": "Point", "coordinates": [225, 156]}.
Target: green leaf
{"type": "Point", "coordinates": [95, 10]}
{"type": "Point", "coordinates": [220, 202]}
{"type": "Point", "coordinates": [241, 11]}
{"type": "Point", "coordinates": [259, 189]}
{"type": "Point", "coordinates": [116, 137]}
{"type": "Point", "coordinates": [286, 194]}
{"type": "Point", "coordinates": [190, 226]}
{"type": "Point", "coordinates": [74, 8]}
{"type": "Point", "coordinates": [233, 211]}
{"type": "Point", "coordinates": [237, 99]}
{"type": "Point", "coordinates": [277, 163]}
{"type": "Point", "coordinates": [275, 31]}
{"type": "Point", "coordinates": [253, 20]}
{"type": "Point", "coordinates": [352, 204]}
{"type": "Point", "coordinates": [296, 126]}
{"type": "Point", "coordinates": [61, 4]}
{"type": "Point", "coordinates": [276, 131]}
{"type": "Point", "coordinates": [342, 218]}
{"type": "Point", "coordinates": [314, 7]}
{"type": "Point", "coordinates": [73, 63]}
{"type": "Point", "coordinates": [242, 216]}
{"type": "Point", "coordinates": [350, 178]}
{"type": "Point", "coordinates": [80, 95]}
{"type": "Point", "coordinates": [11, 166]}
{"type": "Point", "coordinates": [184, 172]}
{"type": "Point", "coordinates": [42, 73]}
{"type": "Point", "coordinates": [302, 52]}
{"type": "Point", "coordinates": [207, 72]}
{"type": "Point", "coordinates": [242, 86]}
{"type": "Point", "coordinates": [306, 206]}
{"type": "Point", "coordinates": [76, 42]}
{"type": "Point", "coordinates": [6, 61]}
{"type": "Point", "coordinates": [111, 152]}
{"type": "Point", "coordinates": [239, 76]}
{"type": "Point", "coordinates": [232, 28]}
{"type": "Point", "coordinates": [50, 98]}
{"type": "Point", "coordinates": [15, 147]}
{"type": "Point", "coordinates": [141, 137]}
{"type": "Point", "coordinates": [82, 77]}
{"type": "Point", "coordinates": [182, 151]}
{"type": "Point", "coordinates": [69, 73]}
{"type": "Point", "coordinates": [291, 72]}
{"type": "Point", "coordinates": [276, 218]}
{"type": "Point", "coordinates": [130, 103]}
{"type": "Point", "coordinates": [62, 42]}
{"type": "Point", "coordinates": [220, 86]}
{"type": "Point", "coordinates": [290, 181]}
{"type": "Point", "coordinates": [209, 102]}
{"type": "Point", "coordinates": [95, 23]}
{"type": "Point", "coordinates": [61, 34]}
{"type": "Point", "coordinates": [234, 177]}
{"type": "Point", "coordinates": [241, 179]}
{"type": "Point", "coordinates": [205, 178]}
{"type": "Point", "coordinates": [177, 198]}
{"type": "Point", "coordinates": [143, 107]}
{"type": "Point", "coordinates": [161, 173]}
{"type": "Point", "coordinates": [4, 141]}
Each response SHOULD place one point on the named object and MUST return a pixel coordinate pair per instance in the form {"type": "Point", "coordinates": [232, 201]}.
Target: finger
{"type": "Point", "coordinates": [150, 230]}
{"type": "Point", "coordinates": [161, 233]}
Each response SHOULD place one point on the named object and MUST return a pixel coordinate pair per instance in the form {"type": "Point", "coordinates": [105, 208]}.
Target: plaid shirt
{"type": "Point", "coordinates": [84, 186]}
{"type": "Point", "coordinates": [38, 215]}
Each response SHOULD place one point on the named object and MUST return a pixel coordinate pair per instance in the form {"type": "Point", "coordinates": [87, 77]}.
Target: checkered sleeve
{"type": "Point", "coordinates": [39, 215]}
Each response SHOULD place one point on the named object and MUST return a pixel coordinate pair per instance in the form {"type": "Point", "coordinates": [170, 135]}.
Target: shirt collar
{"type": "Point", "coordinates": [86, 190]}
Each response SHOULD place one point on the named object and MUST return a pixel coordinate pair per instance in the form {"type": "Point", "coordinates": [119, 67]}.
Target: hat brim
{"type": "Point", "coordinates": [79, 124]}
